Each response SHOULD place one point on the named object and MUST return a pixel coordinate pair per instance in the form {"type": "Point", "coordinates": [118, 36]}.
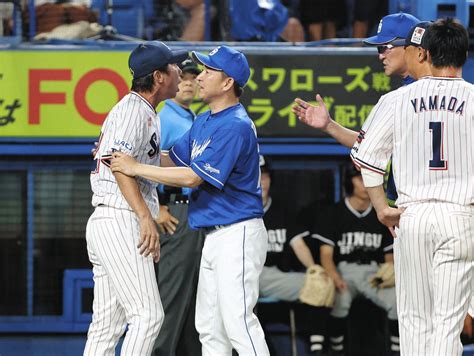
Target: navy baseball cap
{"type": "Point", "coordinates": [416, 36]}
{"type": "Point", "coordinates": [188, 66]}
{"type": "Point", "coordinates": [227, 60]}
{"type": "Point", "coordinates": [392, 27]}
{"type": "Point", "coordinates": [150, 56]}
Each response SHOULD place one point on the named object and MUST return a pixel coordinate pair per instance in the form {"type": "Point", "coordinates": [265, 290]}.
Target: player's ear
{"type": "Point", "coordinates": [422, 54]}
{"type": "Point", "coordinates": [158, 76]}
{"type": "Point", "coordinates": [228, 83]}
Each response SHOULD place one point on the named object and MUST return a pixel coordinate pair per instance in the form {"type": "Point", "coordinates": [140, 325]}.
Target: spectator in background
{"type": "Point", "coordinates": [354, 243]}
{"type": "Point", "coordinates": [319, 17]}
{"type": "Point", "coordinates": [275, 280]}
{"type": "Point", "coordinates": [293, 31]}
{"type": "Point", "coordinates": [6, 16]}
{"type": "Point", "coordinates": [364, 12]}
{"type": "Point", "coordinates": [194, 27]}
{"type": "Point", "coordinates": [257, 20]}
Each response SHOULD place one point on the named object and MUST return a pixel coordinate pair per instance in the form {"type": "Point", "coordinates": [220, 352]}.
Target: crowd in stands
{"type": "Point", "coordinates": [186, 20]}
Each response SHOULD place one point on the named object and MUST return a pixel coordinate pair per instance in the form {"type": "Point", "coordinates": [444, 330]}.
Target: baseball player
{"type": "Point", "coordinates": [276, 281]}
{"type": "Point", "coordinates": [390, 40]}
{"type": "Point", "coordinates": [219, 158]}
{"type": "Point", "coordinates": [180, 247]}
{"type": "Point", "coordinates": [427, 127]}
{"type": "Point", "coordinates": [122, 240]}
{"type": "Point", "coordinates": [353, 246]}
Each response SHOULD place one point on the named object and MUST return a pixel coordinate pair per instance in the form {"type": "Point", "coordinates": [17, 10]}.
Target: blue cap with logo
{"type": "Point", "coordinates": [228, 60]}
{"type": "Point", "coordinates": [150, 56]}
{"type": "Point", "coordinates": [393, 27]}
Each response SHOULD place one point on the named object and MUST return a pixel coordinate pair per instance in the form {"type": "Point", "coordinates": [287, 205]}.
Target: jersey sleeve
{"type": "Point", "coordinates": [127, 133]}
{"type": "Point", "coordinates": [373, 147]}
{"type": "Point", "coordinates": [323, 230]}
{"type": "Point", "coordinates": [215, 158]}
{"type": "Point", "coordinates": [180, 153]}
{"type": "Point", "coordinates": [387, 241]}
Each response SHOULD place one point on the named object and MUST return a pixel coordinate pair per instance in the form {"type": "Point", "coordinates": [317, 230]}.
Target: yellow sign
{"type": "Point", "coordinates": [59, 93]}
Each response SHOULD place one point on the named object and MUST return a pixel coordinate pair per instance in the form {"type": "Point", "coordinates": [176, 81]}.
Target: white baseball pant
{"type": "Point", "coordinates": [434, 254]}
{"type": "Point", "coordinates": [125, 287]}
{"type": "Point", "coordinates": [231, 263]}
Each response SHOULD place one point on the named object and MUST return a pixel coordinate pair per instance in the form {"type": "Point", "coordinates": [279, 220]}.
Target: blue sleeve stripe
{"type": "Point", "coordinates": [207, 175]}
{"type": "Point", "coordinates": [359, 162]}
{"type": "Point", "coordinates": [388, 248]}
{"type": "Point", "coordinates": [173, 154]}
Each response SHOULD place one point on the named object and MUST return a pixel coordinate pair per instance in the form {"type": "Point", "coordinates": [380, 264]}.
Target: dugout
{"type": "Point", "coordinates": [53, 99]}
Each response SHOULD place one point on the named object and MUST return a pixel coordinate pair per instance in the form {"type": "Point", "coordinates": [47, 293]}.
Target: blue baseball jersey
{"type": "Point", "coordinates": [222, 149]}
{"type": "Point", "coordinates": [175, 122]}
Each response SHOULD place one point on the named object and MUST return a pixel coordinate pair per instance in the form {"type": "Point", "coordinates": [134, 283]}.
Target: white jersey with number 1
{"type": "Point", "coordinates": [428, 129]}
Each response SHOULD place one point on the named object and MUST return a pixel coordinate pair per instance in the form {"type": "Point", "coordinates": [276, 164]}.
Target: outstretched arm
{"type": "Point", "coordinates": [173, 176]}
{"type": "Point", "coordinates": [318, 117]}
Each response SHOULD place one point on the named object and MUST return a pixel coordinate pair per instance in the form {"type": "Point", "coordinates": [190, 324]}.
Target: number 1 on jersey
{"type": "Point", "coordinates": [437, 143]}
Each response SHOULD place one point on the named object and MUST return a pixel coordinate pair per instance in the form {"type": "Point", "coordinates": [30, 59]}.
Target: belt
{"type": "Point", "coordinates": [361, 261]}
{"type": "Point", "coordinates": [209, 229]}
{"type": "Point", "coordinates": [178, 199]}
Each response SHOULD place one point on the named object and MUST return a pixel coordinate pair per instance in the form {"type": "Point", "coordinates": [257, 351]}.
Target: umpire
{"type": "Point", "coordinates": [178, 270]}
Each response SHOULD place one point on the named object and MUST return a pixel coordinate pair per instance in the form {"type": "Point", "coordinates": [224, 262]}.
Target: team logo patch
{"type": "Point", "coordinates": [379, 29]}
{"type": "Point", "coordinates": [417, 35]}
{"type": "Point", "coordinates": [214, 51]}
{"type": "Point", "coordinates": [124, 144]}
{"type": "Point", "coordinates": [361, 136]}
{"type": "Point", "coordinates": [211, 169]}
{"type": "Point", "coordinates": [197, 149]}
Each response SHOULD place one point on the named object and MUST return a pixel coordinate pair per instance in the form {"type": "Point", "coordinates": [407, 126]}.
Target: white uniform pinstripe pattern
{"type": "Point", "coordinates": [133, 127]}
{"type": "Point", "coordinates": [394, 125]}
{"type": "Point", "coordinates": [428, 127]}
{"type": "Point", "coordinates": [125, 287]}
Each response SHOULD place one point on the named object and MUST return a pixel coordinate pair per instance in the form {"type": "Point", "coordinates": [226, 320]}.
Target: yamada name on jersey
{"type": "Point", "coordinates": [359, 240]}
{"type": "Point", "coordinates": [435, 103]}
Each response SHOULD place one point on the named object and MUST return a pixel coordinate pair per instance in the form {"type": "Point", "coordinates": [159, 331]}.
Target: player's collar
{"type": "Point", "coordinates": [144, 100]}
{"type": "Point", "coordinates": [355, 212]}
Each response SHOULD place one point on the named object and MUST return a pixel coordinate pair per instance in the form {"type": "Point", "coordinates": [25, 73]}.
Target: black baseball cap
{"type": "Point", "coordinates": [416, 36]}
{"type": "Point", "coordinates": [149, 56]}
{"type": "Point", "coordinates": [188, 66]}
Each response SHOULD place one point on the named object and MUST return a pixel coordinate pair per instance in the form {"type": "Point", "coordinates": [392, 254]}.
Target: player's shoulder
{"type": "Point", "coordinates": [239, 121]}
{"type": "Point", "coordinates": [132, 107]}
{"type": "Point", "coordinates": [397, 93]}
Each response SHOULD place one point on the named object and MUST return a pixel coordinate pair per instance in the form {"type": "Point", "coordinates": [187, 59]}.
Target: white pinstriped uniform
{"type": "Point", "coordinates": [428, 127]}
{"type": "Point", "coordinates": [125, 287]}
